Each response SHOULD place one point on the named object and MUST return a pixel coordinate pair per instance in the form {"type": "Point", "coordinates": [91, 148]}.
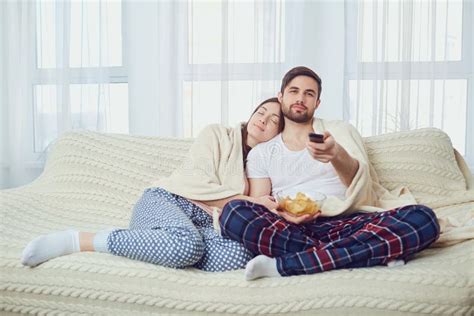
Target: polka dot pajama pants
{"type": "Point", "coordinates": [169, 230]}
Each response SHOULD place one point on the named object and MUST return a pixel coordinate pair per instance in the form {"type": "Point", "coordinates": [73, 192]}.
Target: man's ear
{"type": "Point", "coordinates": [317, 104]}
{"type": "Point", "coordinates": [280, 96]}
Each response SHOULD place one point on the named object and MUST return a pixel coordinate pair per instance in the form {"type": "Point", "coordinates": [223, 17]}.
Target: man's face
{"type": "Point", "coordinates": [300, 99]}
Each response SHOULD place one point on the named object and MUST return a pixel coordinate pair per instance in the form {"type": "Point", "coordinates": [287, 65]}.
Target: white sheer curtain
{"type": "Point", "coordinates": [193, 63]}
{"type": "Point", "coordinates": [61, 69]}
{"type": "Point", "coordinates": [200, 64]}
{"type": "Point", "coordinates": [409, 64]}
{"type": "Point", "coordinates": [15, 97]}
{"type": "Point", "coordinates": [163, 68]}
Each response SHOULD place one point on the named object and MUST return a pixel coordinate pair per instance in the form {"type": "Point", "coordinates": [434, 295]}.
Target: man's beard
{"type": "Point", "coordinates": [301, 117]}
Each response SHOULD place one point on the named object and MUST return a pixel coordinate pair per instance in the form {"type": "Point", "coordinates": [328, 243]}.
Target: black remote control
{"type": "Point", "coordinates": [316, 138]}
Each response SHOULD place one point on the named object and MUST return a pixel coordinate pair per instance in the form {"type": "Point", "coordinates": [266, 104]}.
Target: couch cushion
{"type": "Point", "coordinates": [422, 160]}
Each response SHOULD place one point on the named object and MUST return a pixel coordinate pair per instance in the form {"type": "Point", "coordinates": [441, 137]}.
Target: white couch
{"type": "Point", "coordinates": [92, 180]}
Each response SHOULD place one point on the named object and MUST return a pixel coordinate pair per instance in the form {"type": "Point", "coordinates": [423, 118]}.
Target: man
{"type": "Point", "coordinates": [340, 236]}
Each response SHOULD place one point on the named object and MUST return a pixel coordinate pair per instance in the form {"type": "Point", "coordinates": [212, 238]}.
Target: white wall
{"type": "Point", "coordinates": [3, 119]}
{"type": "Point", "coordinates": [470, 147]}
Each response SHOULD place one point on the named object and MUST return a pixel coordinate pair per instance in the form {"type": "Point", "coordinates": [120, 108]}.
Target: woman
{"type": "Point", "coordinates": [172, 222]}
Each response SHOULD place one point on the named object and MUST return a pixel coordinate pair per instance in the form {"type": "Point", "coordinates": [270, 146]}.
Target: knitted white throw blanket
{"type": "Point", "coordinates": [92, 180]}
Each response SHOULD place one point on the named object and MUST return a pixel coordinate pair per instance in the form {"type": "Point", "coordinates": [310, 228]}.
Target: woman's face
{"type": "Point", "coordinates": [263, 124]}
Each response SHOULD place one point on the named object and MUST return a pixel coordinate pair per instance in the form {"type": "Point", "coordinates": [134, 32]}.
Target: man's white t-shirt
{"type": "Point", "coordinates": [292, 171]}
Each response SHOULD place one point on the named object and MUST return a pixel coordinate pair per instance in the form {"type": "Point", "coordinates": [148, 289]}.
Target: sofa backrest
{"type": "Point", "coordinates": [423, 160]}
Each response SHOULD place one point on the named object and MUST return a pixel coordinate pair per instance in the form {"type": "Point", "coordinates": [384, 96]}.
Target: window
{"type": "Point", "coordinates": [439, 103]}
{"type": "Point", "coordinates": [409, 66]}
{"type": "Point", "coordinates": [226, 53]}
{"type": "Point", "coordinates": [242, 97]}
{"type": "Point", "coordinates": [79, 45]}
{"type": "Point", "coordinates": [217, 34]}
{"type": "Point", "coordinates": [434, 27]}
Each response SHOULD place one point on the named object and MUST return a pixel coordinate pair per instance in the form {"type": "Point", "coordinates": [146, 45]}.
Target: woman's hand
{"type": "Point", "coordinates": [268, 201]}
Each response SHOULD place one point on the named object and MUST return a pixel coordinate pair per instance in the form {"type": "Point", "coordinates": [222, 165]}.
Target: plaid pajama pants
{"type": "Point", "coordinates": [353, 241]}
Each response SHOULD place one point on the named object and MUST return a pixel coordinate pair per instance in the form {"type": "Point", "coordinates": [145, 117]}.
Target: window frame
{"type": "Point", "coordinates": [436, 70]}
{"type": "Point", "coordinates": [234, 71]}
{"type": "Point", "coordinates": [77, 75]}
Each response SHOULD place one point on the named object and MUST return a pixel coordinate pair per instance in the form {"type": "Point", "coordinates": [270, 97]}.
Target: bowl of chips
{"type": "Point", "coordinates": [300, 203]}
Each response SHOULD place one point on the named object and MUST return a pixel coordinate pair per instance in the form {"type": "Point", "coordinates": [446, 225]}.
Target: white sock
{"type": "Point", "coordinates": [50, 246]}
{"type": "Point", "coordinates": [261, 266]}
{"type": "Point", "coordinates": [395, 263]}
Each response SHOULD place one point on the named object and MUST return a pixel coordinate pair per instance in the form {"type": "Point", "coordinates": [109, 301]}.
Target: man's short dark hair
{"type": "Point", "coordinates": [300, 71]}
